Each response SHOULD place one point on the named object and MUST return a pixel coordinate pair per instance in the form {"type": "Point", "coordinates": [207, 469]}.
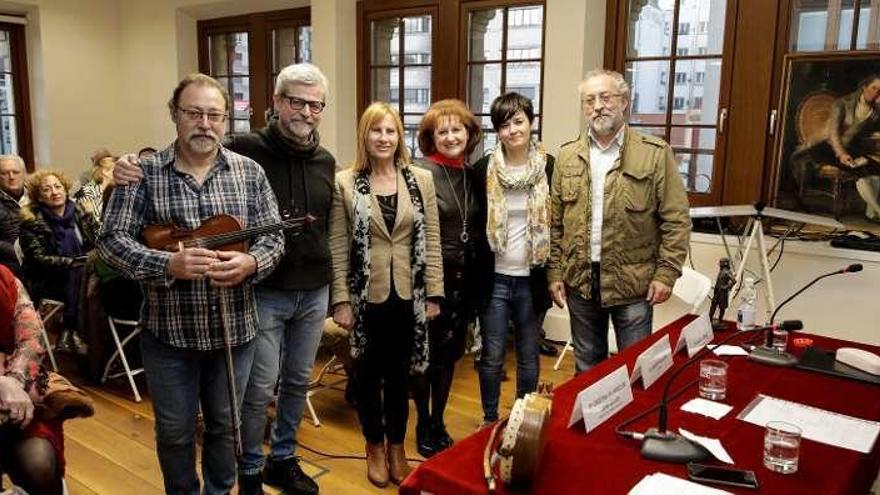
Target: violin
{"type": "Point", "coordinates": [219, 232]}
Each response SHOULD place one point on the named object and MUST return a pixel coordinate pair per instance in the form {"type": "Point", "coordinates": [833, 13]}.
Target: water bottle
{"type": "Point", "coordinates": [745, 314]}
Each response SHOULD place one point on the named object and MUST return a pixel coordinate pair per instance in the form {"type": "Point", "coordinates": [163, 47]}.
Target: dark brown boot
{"type": "Point", "coordinates": [377, 469]}
{"type": "Point", "coordinates": [398, 467]}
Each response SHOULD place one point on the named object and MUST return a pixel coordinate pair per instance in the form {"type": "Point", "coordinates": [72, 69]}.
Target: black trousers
{"type": "Point", "coordinates": [383, 370]}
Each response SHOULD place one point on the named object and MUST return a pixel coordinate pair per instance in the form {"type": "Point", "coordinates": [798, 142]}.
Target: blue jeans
{"type": "Point", "coordinates": [291, 325]}
{"type": "Point", "coordinates": [511, 301]}
{"type": "Point", "coordinates": [180, 380]}
{"type": "Point", "coordinates": [589, 327]}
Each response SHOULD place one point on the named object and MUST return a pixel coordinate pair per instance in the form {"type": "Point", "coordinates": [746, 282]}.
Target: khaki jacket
{"type": "Point", "coordinates": [646, 223]}
{"type": "Point", "coordinates": [389, 251]}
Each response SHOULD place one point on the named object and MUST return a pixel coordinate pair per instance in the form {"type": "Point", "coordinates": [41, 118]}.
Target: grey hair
{"type": "Point", "coordinates": [15, 158]}
{"type": "Point", "coordinates": [622, 85]}
{"type": "Point", "coordinates": [304, 73]}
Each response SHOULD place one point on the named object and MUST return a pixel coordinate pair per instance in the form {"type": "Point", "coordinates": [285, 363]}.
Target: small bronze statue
{"type": "Point", "coordinates": [720, 296]}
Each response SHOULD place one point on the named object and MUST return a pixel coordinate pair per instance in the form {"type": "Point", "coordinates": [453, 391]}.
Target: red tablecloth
{"type": "Point", "coordinates": [602, 462]}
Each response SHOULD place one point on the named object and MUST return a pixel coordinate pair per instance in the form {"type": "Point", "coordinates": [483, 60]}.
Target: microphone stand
{"type": "Point", "coordinates": [668, 446]}
{"type": "Point", "coordinates": [767, 354]}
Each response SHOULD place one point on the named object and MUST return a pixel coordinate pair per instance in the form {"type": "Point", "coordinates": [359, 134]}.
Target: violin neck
{"type": "Point", "coordinates": [218, 240]}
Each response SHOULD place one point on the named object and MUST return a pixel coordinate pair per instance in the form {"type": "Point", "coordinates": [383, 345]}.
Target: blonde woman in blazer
{"type": "Point", "coordinates": [387, 280]}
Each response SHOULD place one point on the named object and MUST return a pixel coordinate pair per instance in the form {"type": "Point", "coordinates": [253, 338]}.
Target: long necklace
{"type": "Point", "coordinates": [462, 212]}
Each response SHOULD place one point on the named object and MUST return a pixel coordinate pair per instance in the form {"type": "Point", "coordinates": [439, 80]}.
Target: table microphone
{"type": "Point", "coordinates": [668, 446]}
{"type": "Point", "coordinates": [767, 354]}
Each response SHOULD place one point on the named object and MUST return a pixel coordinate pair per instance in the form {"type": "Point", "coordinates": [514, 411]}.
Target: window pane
{"type": "Point", "coordinates": [417, 40]}
{"type": "Point", "coordinates": [410, 134]}
{"type": "Point", "coordinates": [7, 94]}
{"type": "Point", "coordinates": [241, 126]}
{"type": "Point", "coordinates": [241, 97]}
{"type": "Point", "coordinates": [525, 78]}
{"type": "Point", "coordinates": [692, 138]}
{"type": "Point", "coordinates": [5, 60]}
{"type": "Point", "coordinates": [648, 83]}
{"type": "Point", "coordinates": [696, 171]}
{"type": "Point", "coordinates": [524, 32]}
{"type": "Point", "coordinates": [484, 85]}
{"type": "Point", "coordinates": [416, 89]}
{"type": "Point", "coordinates": [241, 60]}
{"type": "Point", "coordinates": [660, 132]}
{"type": "Point", "coordinates": [701, 27]}
{"type": "Point", "coordinates": [8, 136]}
{"type": "Point", "coordinates": [484, 40]}
{"type": "Point", "coordinates": [384, 41]}
{"type": "Point", "coordinates": [283, 48]}
{"type": "Point", "coordinates": [815, 26]}
{"type": "Point", "coordinates": [695, 97]}
{"type": "Point", "coordinates": [384, 85]}
{"type": "Point", "coordinates": [650, 28]}
{"type": "Point", "coordinates": [305, 43]}
{"type": "Point", "coordinates": [217, 49]}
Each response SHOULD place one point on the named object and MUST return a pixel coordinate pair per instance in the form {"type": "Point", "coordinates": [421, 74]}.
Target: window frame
{"type": "Point", "coordinates": [258, 26]}
{"type": "Point", "coordinates": [21, 91]}
{"type": "Point", "coordinates": [616, 40]}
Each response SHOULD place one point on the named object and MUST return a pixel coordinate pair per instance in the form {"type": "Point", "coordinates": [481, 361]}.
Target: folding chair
{"type": "Point", "coordinates": [120, 353]}
{"type": "Point", "coordinates": [331, 367]}
{"type": "Point", "coordinates": [49, 309]}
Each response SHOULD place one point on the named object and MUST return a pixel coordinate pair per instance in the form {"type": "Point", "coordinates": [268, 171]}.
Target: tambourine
{"type": "Point", "coordinates": [518, 456]}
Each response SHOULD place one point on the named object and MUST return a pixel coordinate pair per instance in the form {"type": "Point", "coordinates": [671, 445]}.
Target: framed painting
{"type": "Point", "coordinates": [828, 156]}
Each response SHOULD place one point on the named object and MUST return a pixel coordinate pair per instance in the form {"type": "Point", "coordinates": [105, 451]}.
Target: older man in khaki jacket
{"type": "Point", "coordinates": [619, 227]}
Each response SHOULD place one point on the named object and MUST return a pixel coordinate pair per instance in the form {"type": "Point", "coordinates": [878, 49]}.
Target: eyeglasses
{"type": "Point", "coordinates": [195, 115]}
{"type": "Point", "coordinates": [315, 107]}
{"type": "Point", "coordinates": [605, 98]}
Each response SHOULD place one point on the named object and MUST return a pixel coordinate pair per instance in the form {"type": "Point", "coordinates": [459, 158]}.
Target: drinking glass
{"type": "Point", "coordinates": [713, 379]}
{"type": "Point", "coordinates": [782, 444]}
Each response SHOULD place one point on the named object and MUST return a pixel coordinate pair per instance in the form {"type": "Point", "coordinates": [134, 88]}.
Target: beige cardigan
{"type": "Point", "coordinates": [389, 251]}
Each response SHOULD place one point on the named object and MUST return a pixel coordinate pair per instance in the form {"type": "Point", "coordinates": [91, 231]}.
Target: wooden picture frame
{"type": "Point", "coordinates": [819, 95]}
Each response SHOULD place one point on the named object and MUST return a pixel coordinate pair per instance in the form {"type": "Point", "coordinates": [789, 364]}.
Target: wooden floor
{"type": "Point", "coordinates": [114, 451]}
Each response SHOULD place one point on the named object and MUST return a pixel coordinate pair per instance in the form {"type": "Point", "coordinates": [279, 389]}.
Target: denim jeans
{"type": "Point", "coordinates": [291, 324]}
{"type": "Point", "coordinates": [511, 301]}
{"type": "Point", "coordinates": [589, 327]}
{"type": "Point", "coordinates": [180, 380]}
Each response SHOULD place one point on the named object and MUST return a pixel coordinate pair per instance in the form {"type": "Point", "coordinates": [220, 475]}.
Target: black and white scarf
{"type": "Point", "coordinates": [359, 267]}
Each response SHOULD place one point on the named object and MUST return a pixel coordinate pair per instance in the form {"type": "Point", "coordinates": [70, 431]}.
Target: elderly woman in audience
{"type": "Point", "coordinates": [32, 451]}
{"type": "Point", "coordinates": [448, 134]}
{"type": "Point", "coordinates": [515, 198]}
{"type": "Point", "coordinates": [387, 281]}
{"type": "Point", "coordinates": [55, 238]}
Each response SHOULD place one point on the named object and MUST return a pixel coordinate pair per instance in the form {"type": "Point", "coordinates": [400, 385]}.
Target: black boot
{"type": "Point", "coordinates": [426, 444]}
{"type": "Point", "coordinates": [288, 476]}
{"type": "Point", "coordinates": [250, 484]}
{"type": "Point", "coordinates": [441, 436]}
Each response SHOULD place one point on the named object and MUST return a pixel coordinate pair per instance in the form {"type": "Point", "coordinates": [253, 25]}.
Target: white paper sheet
{"type": "Point", "coordinates": [713, 445]}
{"type": "Point", "coordinates": [816, 424]}
{"type": "Point", "coordinates": [728, 350]}
{"type": "Point", "coordinates": [663, 484]}
{"type": "Point", "coordinates": [709, 408]}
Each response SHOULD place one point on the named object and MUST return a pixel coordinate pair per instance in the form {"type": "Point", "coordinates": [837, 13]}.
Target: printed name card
{"type": "Point", "coordinates": [695, 335]}
{"type": "Point", "coordinates": [653, 362]}
{"type": "Point", "coordinates": [603, 399]}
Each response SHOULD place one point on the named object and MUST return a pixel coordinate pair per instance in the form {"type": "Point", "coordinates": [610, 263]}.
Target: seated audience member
{"type": "Point", "coordinates": [146, 152]}
{"type": "Point", "coordinates": [12, 197]}
{"type": "Point", "coordinates": [90, 197]}
{"type": "Point", "coordinates": [32, 452]}
{"type": "Point", "coordinates": [55, 238]}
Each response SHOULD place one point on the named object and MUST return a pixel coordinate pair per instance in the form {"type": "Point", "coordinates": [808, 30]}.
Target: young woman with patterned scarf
{"type": "Point", "coordinates": [514, 179]}
{"type": "Point", "coordinates": [448, 134]}
{"type": "Point", "coordinates": [387, 281]}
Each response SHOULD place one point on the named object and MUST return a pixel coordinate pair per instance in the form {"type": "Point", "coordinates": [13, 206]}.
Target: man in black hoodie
{"type": "Point", "coordinates": [292, 302]}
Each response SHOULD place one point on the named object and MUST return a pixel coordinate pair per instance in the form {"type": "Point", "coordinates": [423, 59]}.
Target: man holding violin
{"type": "Point", "coordinates": [197, 302]}
{"type": "Point", "coordinates": [292, 302]}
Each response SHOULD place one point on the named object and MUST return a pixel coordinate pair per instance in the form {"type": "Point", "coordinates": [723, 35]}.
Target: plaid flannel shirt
{"type": "Point", "coordinates": [187, 313]}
